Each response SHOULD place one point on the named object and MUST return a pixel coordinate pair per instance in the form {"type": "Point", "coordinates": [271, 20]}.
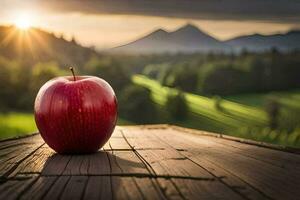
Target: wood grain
{"type": "Point", "coordinates": [149, 162]}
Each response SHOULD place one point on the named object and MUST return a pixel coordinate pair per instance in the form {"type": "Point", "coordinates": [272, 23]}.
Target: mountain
{"type": "Point", "coordinates": [189, 39]}
{"type": "Point", "coordinates": [35, 45]}
{"type": "Point", "coordinates": [257, 42]}
{"type": "Point", "coordinates": [185, 39]}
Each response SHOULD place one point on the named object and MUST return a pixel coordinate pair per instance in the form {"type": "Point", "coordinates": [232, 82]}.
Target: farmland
{"type": "Point", "coordinates": [240, 116]}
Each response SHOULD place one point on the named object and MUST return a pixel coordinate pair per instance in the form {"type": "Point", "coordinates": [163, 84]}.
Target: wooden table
{"type": "Point", "coordinates": [151, 162]}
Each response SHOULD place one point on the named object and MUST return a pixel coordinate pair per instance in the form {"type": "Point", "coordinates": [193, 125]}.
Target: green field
{"type": "Point", "coordinates": [19, 124]}
{"type": "Point", "coordinates": [16, 124]}
{"type": "Point", "coordinates": [239, 115]}
{"type": "Point", "coordinates": [288, 98]}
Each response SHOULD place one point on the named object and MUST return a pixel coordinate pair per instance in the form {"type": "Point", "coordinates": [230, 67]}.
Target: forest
{"type": "Point", "coordinates": [229, 74]}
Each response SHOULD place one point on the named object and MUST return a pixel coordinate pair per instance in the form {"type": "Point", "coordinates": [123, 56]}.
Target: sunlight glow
{"type": "Point", "coordinates": [24, 21]}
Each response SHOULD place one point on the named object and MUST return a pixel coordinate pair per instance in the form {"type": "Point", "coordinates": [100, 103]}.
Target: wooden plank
{"type": "Point", "coordinates": [240, 140]}
{"type": "Point", "coordinates": [143, 139]}
{"type": "Point", "coordinates": [117, 132]}
{"type": "Point", "coordinates": [174, 167]}
{"type": "Point", "coordinates": [35, 163]}
{"type": "Point", "coordinates": [136, 133]}
{"type": "Point", "coordinates": [177, 188]}
{"type": "Point", "coordinates": [149, 188]}
{"type": "Point", "coordinates": [13, 188]}
{"type": "Point", "coordinates": [115, 139]}
{"type": "Point", "coordinates": [227, 178]}
{"type": "Point", "coordinates": [125, 188]}
{"type": "Point", "coordinates": [115, 187]}
{"type": "Point", "coordinates": [265, 177]}
{"type": "Point", "coordinates": [106, 147]}
{"type": "Point", "coordinates": [74, 188]}
{"type": "Point", "coordinates": [166, 161]}
{"type": "Point", "coordinates": [169, 189]}
{"type": "Point", "coordinates": [118, 144]}
{"type": "Point", "coordinates": [36, 138]}
{"type": "Point", "coordinates": [169, 162]}
{"type": "Point", "coordinates": [126, 162]}
{"type": "Point", "coordinates": [11, 164]}
{"type": "Point", "coordinates": [75, 167]}
{"type": "Point", "coordinates": [140, 143]}
{"type": "Point", "coordinates": [161, 127]}
{"type": "Point", "coordinates": [57, 188]}
{"type": "Point", "coordinates": [39, 188]}
{"type": "Point", "coordinates": [14, 151]}
{"type": "Point", "coordinates": [4, 153]}
{"type": "Point", "coordinates": [11, 146]}
{"type": "Point", "coordinates": [275, 157]}
{"type": "Point", "coordinates": [199, 189]}
{"type": "Point", "coordinates": [288, 162]}
{"type": "Point", "coordinates": [98, 187]}
{"type": "Point", "coordinates": [55, 165]}
{"type": "Point", "coordinates": [99, 164]}
{"type": "Point", "coordinates": [11, 153]}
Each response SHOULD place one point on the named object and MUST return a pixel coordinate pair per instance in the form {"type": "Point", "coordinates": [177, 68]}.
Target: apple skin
{"type": "Point", "coordinates": [75, 117]}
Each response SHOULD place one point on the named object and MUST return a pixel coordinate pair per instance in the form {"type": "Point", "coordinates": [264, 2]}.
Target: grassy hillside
{"type": "Point", "coordinates": [16, 124]}
{"type": "Point", "coordinates": [288, 98]}
{"type": "Point", "coordinates": [233, 117]}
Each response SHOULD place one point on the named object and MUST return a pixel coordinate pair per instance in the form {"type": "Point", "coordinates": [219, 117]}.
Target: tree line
{"type": "Point", "coordinates": [230, 74]}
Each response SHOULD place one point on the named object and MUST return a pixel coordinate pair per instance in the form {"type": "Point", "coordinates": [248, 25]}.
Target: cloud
{"type": "Point", "coordinates": [282, 11]}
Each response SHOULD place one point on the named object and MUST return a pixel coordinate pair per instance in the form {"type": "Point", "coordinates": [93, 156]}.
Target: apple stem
{"type": "Point", "coordinates": [72, 70]}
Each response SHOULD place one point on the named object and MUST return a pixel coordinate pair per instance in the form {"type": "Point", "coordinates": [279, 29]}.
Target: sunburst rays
{"type": "Point", "coordinates": [26, 41]}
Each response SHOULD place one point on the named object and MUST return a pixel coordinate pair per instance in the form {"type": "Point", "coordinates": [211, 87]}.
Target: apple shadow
{"type": "Point", "coordinates": [99, 175]}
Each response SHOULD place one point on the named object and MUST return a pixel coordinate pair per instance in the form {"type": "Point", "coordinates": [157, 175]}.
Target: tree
{"type": "Point", "coordinates": [224, 81]}
{"type": "Point", "coordinates": [5, 84]}
{"type": "Point", "coordinates": [110, 70]}
{"type": "Point", "coordinates": [43, 72]}
{"type": "Point", "coordinates": [177, 106]}
{"type": "Point", "coordinates": [218, 103]}
{"type": "Point", "coordinates": [182, 76]}
{"type": "Point", "coordinates": [135, 104]}
{"type": "Point", "coordinates": [186, 79]}
{"type": "Point", "coordinates": [272, 108]}
{"type": "Point", "coordinates": [152, 71]}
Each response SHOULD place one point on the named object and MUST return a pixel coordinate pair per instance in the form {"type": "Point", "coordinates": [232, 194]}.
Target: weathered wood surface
{"type": "Point", "coordinates": [151, 162]}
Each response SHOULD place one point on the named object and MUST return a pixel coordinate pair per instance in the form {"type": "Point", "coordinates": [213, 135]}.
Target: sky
{"type": "Point", "coordinates": [109, 23]}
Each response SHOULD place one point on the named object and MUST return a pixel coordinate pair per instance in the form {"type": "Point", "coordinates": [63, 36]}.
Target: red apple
{"type": "Point", "coordinates": [76, 114]}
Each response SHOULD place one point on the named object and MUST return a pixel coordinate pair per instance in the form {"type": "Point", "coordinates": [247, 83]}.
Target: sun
{"type": "Point", "coordinates": [24, 21]}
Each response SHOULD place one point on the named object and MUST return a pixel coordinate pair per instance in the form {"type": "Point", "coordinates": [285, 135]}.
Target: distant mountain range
{"type": "Point", "coordinates": [256, 42]}
{"type": "Point", "coordinates": [190, 38]}
{"type": "Point", "coordinates": [35, 45]}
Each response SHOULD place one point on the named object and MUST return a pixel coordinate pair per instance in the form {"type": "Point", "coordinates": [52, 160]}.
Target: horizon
{"type": "Point", "coordinates": [70, 37]}
{"type": "Point", "coordinates": [106, 24]}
